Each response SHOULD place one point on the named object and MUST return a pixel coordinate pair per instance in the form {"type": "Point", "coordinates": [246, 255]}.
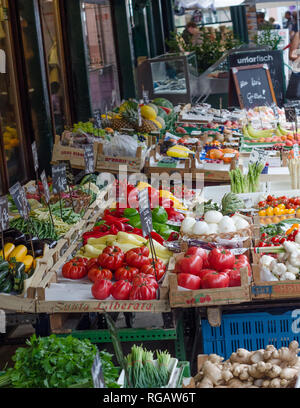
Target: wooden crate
{"type": "Point", "coordinates": [112, 164]}
{"type": "Point", "coordinates": [273, 290]}
{"type": "Point", "coordinates": [190, 166]}
{"type": "Point", "coordinates": [207, 297]}
{"type": "Point", "coordinates": [91, 304]}
{"type": "Point", "coordinates": [73, 154]}
{"type": "Point", "coordinates": [100, 203]}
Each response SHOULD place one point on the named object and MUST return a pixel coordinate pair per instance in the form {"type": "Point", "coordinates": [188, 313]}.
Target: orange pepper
{"type": "Point", "coordinates": [294, 226]}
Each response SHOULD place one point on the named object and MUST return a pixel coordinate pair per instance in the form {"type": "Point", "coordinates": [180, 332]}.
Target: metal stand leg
{"type": "Point", "coordinates": [179, 342]}
{"type": "Point", "coordinates": [195, 347]}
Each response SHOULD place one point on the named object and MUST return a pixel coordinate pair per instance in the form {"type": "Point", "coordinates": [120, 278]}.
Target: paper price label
{"type": "Point", "coordinates": [59, 179]}
{"type": "Point", "coordinates": [258, 155]}
{"type": "Point", "coordinates": [97, 119]}
{"type": "Point", "coordinates": [139, 116]}
{"type": "Point", "coordinates": [146, 97]}
{"type": "Point", "coordinates": [35, 156]}
{"type": "Point", "coordinates": [4, 219]}
{"type": "Point", "coordinates": [145, 212]}
{"type": "Point", "coordinates": [89, 159]}
{"type": "Point", "coordinates": [296, 150]}
{"type": "Point", "coordinates": [229, 155]}
{"type": "Point", "coordinates": [45, 186]}
{"type": "Point", "coordinates": [18, 194]}
{"type": "Point", "coordinates": [97, 372]}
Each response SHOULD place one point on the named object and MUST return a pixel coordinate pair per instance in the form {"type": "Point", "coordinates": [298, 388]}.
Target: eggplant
{"type": "Point", "coordinates": [14, 236]}
{"type": "Point", "coordinates": [51, 244]}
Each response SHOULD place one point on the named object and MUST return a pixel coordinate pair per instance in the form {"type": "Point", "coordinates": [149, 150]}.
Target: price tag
{"type": "Point", "coordinates": [145, 212]}
{"type": "Point", "coordinates": [146, 97]}
{"type": "Point", "coordinates": [139, 117]}
{"type": "Point", "coordinates": [229, 155]}
{"type": "Point", "coordinates": [45, 186]}
{"type": "Point", "coordinates": [296, 150]}
{"type": "Point", "coordinates": [97, 372]}
{"type": "Point", "coordinates": [2, 321]}
{"type": "Point", "coordinates": [195, 133]}
{"type": "Point", "coordinates": [59, 179]}
{"type": "Point", "coordinates": [4, 222]}
{"type": "Point", "coordinates": [18, 194]}
{"type": "Point", "coordinates": [258, 155]}
{"type": "Point", "coordinates": [290, 114]}
{"type": "Point", "coordinates": [97, 119]}
{"type": "Point", "coordinates": [35, 156]}
{"type": "Point", "coordinates": [113, 98]}
{"type": "Point", "coordinates": [275, 110]}
{"type": "Point", "coordinates": [89, 159]}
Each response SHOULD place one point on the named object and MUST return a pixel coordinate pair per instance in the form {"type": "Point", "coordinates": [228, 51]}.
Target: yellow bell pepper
{"type": "Point", "coordinates": [8, 248]}
{"type": "Point", "coordinates": [18, 253]}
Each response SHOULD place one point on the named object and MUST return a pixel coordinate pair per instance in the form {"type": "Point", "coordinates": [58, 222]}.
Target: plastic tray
{"type": "Point", "coordinates": [251, 331]}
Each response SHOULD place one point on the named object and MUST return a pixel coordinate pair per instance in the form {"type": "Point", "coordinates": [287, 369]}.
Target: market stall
{"type": "Point", "coordinates": [126, 247]}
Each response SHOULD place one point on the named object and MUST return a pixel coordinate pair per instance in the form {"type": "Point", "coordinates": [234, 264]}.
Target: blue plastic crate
{"type": "Point", "coordinates": [251, 331]}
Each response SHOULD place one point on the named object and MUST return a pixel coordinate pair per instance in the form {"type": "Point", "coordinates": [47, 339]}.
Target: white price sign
{"type": "Point", "coordinates": [258, 155]}
{"type": "Point", "coordinates": [296, 150]}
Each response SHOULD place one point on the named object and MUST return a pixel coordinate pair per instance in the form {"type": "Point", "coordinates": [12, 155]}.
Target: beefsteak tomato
{"type": "Point", "coordinates": [160, 269]}
{"type": "Point", "coordinates": [111, 258]}
{"type": "Point", "coordinates": [200, 252]}
{"type": "Point", "coordinates": [126, 272]}
{"type": "Point", "coordinates": [188, 281]}
{"type": "Point", "coordinates": [137, 257]}
{"type": "Point", "coordinates": [220, 259]}
{"type": "Point", "coordinates": [215, 280]}
{"type": "Point", "coordinates": [143, 278]}
{"type": "Point", "coordinates": [101, 288]}
{"type": "Point", "coordinates": [120, 290]}
{"type": "Point", "coordinates": [189, 264]}
{"type": "Point", "coordinates": [234, 277]}
{"type": "Point", "coordinates": [74, 270]}
{"type": "Point", "coordinates": [143, 291]}
{"type": "Point", "coordinates": [97, 272]}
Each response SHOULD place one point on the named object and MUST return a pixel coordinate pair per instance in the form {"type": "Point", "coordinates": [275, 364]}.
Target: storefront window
{"type": "Point", "coordinates": [101, 56]}
{"type": "Point", "coordinates": [12, 145]}
{"type": "Point", "coordinates": [56, 77]}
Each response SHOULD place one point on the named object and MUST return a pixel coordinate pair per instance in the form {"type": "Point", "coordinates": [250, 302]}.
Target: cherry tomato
{"type": "Point", "coordinates": [263, 236]}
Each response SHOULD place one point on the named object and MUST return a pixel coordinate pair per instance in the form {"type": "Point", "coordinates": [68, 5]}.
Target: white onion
{"type": "Point", "coordinates": [187, 225]}
{"type": "Point", "coordinates": [239, 222]}
{"type": "Point", "coordinates": [213, 217]}
{"type": "Point", "coordinates": [226, 225]}
{"type": "Point", "coordinates": [200, 227]}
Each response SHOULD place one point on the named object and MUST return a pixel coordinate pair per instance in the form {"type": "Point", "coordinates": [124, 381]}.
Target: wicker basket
{"type": "Point", "coordinates": [245, 232]}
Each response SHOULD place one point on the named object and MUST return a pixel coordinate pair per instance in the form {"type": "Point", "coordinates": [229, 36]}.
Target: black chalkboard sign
{"type": "Point", "coordinates": [4, 220]}
{"type": "Point", "coordinates": [253, 86]}
{"type": "Point", "coordinates": [18, 194]}
{"type": "Point", "coordinates": [59, 179]}
{"type": "Point", "coordinates": [274, 60]}
{"type": "Point", "coordinates": [145, 212]}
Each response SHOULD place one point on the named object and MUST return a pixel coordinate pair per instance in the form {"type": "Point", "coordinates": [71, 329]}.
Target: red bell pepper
{"type": "Point", "coordinates": [174, 215]}
{"type": "Point", "coordinates": [109, 219]}
{"type": "Point", "coordinates": [157, 237]}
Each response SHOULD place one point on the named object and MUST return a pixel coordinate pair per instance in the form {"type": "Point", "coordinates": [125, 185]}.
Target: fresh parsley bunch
{"type": "Point", "coordinates": [58, 362]}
